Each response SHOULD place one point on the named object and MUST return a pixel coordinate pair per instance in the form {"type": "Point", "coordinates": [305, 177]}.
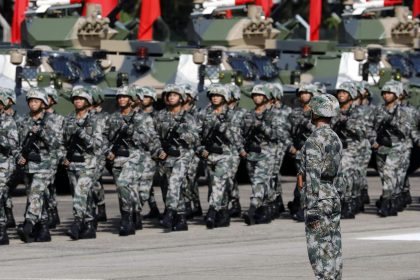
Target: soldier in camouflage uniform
{"type": "Point", "coordinates": [283, 112]}
{"type": "Point", "coordinates": [220, 135]}
{"type": "Point", "coordinates": [82, 140]}
{"type": "Point", "coordinates": [263, 132]}
{"type": "Point", "coordinates": [178, 133]}
{"type": "Point", "coordinates": [98, 98]}
{"type": "Point", "coordinates": [40, 141]}
{"type": "Point", "coordinates": [191, 191]}
{"type": "Point", "coordinates": [351, 131]}
{"type": "Point", "coordinates": [393, 127]}
{"type": "Point", "coordinates": [233, 190]}
{"type": "Point", "coordinates": [317, 177]}
{"type": "Point", "coordinates": [8, 140]}
{"type": "Point", "coordinates": [301, 128]}
{"type": "Point", "coordinates": [56, 156]}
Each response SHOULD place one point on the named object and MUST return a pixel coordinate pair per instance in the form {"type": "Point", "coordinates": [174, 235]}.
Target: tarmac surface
{"type": "Point", "coordinates": [373, 247]}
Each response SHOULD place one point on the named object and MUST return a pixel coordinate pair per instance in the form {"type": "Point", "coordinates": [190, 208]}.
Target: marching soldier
{"type": "Point", "coordinates": [82, 140]}
{"type": "Point", "coordinates": [40, 141]}
{"type": "Point", "coordinates": [8, 140]}
{"type": "Point", "coordinates": [317, 178]}
{"type": "Point", "coordinates": [220, 136]}
{"type": "Point", "coordinates": [178, 133]}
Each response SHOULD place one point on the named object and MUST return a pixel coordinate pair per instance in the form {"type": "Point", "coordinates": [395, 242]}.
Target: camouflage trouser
{"type": "Point", "coordinates": [260, 172]}
{"type": "Point", "coordinates": [51, 192]}
{"type": "Point", "coordinates": [126, 176]}
{"type": "Point", "coordinates": [174, 172]}
{"type": "Point", "coordinates": [402, 172]}
{"type": "Point", "coordinates": [98, 187]}
{"type": "Point", "coordinates": [348, 175]}
{"type": "Point", "coordinates": [218, 166]}
{"type": "Point", "coordinates": [191, 192]}
{"type": "Point", "coordinates": [4, 176]}
{"type": "Point", "coordinates": [36, 191]}
{"type": "Point", "coordinates": [147, 170]}
{"type": "Point", "coordinates": [276, 177]}
{"type": "Point", "coordinates": [363, 158]}
{"type": "Point", "coordinates": [16, 174]}
{"type": "Point", "coordinates": [391, 168]}
{"type": "Point", "coordinates": [324, 242]}
{"type": "Point", "coordinates": [82, 184]}
{"type": "Point", "coordinates": [233, 188]}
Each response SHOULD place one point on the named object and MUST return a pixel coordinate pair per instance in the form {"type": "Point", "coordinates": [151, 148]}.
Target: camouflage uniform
{"type": "Point", "coordinates": [38, 149]}
{"type": "Point", "coordinates": [178, 134]}
{"type": "Point", "coordinates": [263, 132]}
{"type": "Point", "coordinates": [8, 140]}
{"type": "Point", "coordinates": [351, 131]}
{"type": "Point", "coordinates": [220, 134]}
{"type": "Point", "coordinates": [82, 140]}
{"type": "Point", "coordinates": [320, 163]}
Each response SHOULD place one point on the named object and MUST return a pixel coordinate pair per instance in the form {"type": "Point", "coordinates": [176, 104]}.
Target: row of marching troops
{"type": "Point", "coordinates": [137, 141]}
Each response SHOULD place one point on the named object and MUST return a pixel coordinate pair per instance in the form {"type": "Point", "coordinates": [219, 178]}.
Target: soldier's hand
{"type": "Point", "coordinates": [111, 156]}
{"type": "Point", "coordinates": [66, 162]}
{"type": "Point", "coordinates": [243, 154]}
{"type": "Point", "coordinates": [205, 154]}
{"type": "Point", "coordinates": [293, 150]}
{"type": "Point", "coordinates": [163, 155]}
{"type": "Point", "coordinates": [315, 225]}
{"type": "Point", "coordinates": [21, 161]}
{"type": "Point", "coordinates": [375, 146]}
{"type": "Point", "coordinates": [36, 129]}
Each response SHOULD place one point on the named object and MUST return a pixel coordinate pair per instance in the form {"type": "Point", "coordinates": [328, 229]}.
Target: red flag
{"type": "Point", "coordinates": [416, 8]}
{"type": "Point", "coordinates": [18, 17]}
{"type": "Point", "coordinates": [315, 12]}
{"type": "Point", "coordinates": [266, 5]}
{"type": "Point", "coordinates": [150, 11]}
{"type": "Point", "coordinates": [107, 5]}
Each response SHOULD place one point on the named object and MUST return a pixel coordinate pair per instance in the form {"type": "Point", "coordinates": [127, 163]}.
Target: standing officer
{"type": "Point", "coordinates": [319, 166]}
{"type": "Point", "coordinates": [39, 143]}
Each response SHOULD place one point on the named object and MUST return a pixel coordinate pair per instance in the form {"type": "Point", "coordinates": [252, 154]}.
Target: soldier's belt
{"type": "Point", "coordinates": [215, 150]}
{"type": "Point", "coordinates": [172, 152]}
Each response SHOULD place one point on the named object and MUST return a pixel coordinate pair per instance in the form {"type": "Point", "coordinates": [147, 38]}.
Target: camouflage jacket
{"type": "Point", "coordinates": [141, 135]}
{"type": "Point", "coordinates": [219, 131]}
{"type": "Point", "coordinates": [9, 139]}
{"type": "Point", "coordinates": [45, 144]}
{"type": "Point", "coordinates": [58, 127]}
{"type": "Point", "coordinates": [348, 126]}
{"type": "Point", "coordinates": [415, 118]}
{"type": "Point", "coordinates": [87, 135]}
{"type": "Point", "coordinates": [283, 113]}
{"type": "Point", "coordinates": [300, 126]}
{"type": "Point", "coordinates": [177, 132]}
{"type": "Point", "coordinates": [102, 119]}
{"type": "Point", "coordinates": [365, 113]}
{"type": "Point", "coordinates": [320, 163]}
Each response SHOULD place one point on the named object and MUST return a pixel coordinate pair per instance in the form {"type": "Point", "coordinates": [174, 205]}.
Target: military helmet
{"type": "Point", "coordinates": [325, 105]}
{"type": "Point", "coordinates": [394, 87]}
{"type": "Point", "coordinates": [147, 91]}
{"type": "Point", "coordinates": [52, 92]}
{"type": "Point", "coordinates": [80, 91]}
{"type": "Point", "coordinates": [98, 95]}
{"type": "Point", "coordinates": [348, 87]}
{"type": "Point", "coordinates": [4, 96]}
{"type": "Point", "coordinates": [219, 89]}
{"type": "Point", "coordinates": [322, 89]}
{"type": "Point", "coordinates": [311, 88]}
{"type": "Point", "coordinates": [10, 93]}
{"type": "Point", "coordinates": [276, 90]}
{"type": "Point", "coordinates": [126, 91]}
{"type": "Point", "coordinates": [363, 87]}
{"type": "Point", "coordinates": [37, 93]}
{"type": "Point", "coordinates": [235, 91]}
{"type": "Point", "coordinates": [263, 90]}
{"type": "Point", "coordinates": [190, 91]}
{"type": "Point", "coordinates": [175, 89]}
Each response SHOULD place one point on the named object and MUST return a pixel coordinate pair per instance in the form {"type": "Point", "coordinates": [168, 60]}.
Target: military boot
{"type": "Point", "coordinates": [43, 232]}
{"type": "Point", "coordinates": [365, 196]}
{"type": "Point", "coordinates": [235, 210]}
{"type": "Point", "coordinates": [180, 223]}
{"type": "Point", "coordinates": [11, 223]}
{"type": "Point", "coordinates": [88, 231]}
{"type": "Point", "coordinates": [393, 207]}
{"type": "Point", "coordinates": [263, 215]}
{"type": "Point", "coordinates": [168, 219]}
{"type": "Point", "coordinates": [346, 209]}
{"type": "Point", "coordinates": [126, 224]}
{"type": "Point", "coordinates": [275, 211]}
{"type": "Point", "coordinates": [188, 210]}
{"type": "Point", "coordinates": [74, 230]}
{"type": "Point", "coordinates": [211, 218]}
{"type": "Point", "coordinates": [222, 218]}
{"type": "Point", "coordinates": [137, 220]}
{"type": "Point", "coordinates": [4, 238]}
{"type": "Point", "coordinates": [406, 198]}
{"type": "Point", "coordinates": [399, 203]}
{"type": "Point", "coordinates": [197, 210]}
{"type": "Point", "coordinates": [25, 231]}
{"type": "Point", "coordinates": [154, 212]}
{"type": "Point", "coordinates": [101, 216]}
{"type": "Point", "coordinates": [249, 216]}
{"type": "Point", "coordinates": [383, 209]}
{"type": "Point", "coordinates": [280, 204]}
{"type": "Point", "coordinates": [299, 216]}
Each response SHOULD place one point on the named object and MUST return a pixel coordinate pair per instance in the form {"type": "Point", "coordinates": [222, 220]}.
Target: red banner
{"type": "Point", "coordinates": [18, 17]}
{"type": "Point", "coordinates": [315, 12]}
{"type": "Point", "coordinates": [150, 11]}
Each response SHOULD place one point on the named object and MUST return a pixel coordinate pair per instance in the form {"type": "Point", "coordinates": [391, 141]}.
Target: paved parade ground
{"type": "Point", "coordinates": [373, 247]}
